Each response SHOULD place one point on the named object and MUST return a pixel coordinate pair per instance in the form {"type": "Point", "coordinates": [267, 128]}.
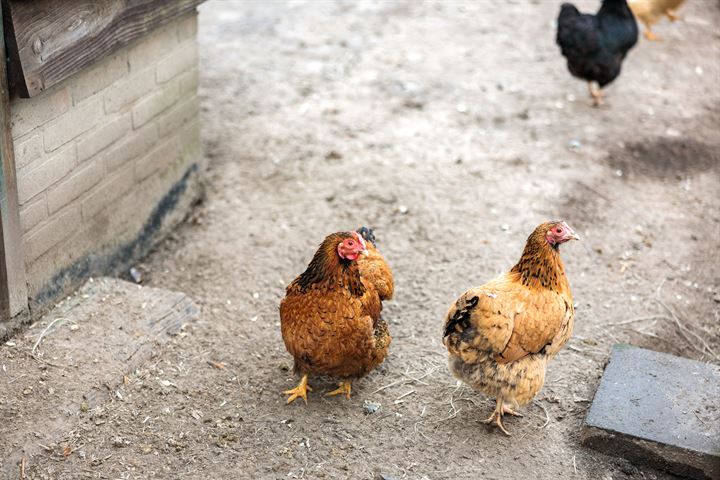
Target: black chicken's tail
{"type": "Point", "coordinates": [567, 10]}
{"type": "Point", "coordinates": [367, 234]}
{"type": "Point", "coordinates": [566, 21]}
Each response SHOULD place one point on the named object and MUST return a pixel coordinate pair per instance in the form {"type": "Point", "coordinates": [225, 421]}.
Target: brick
{"type": "Point", "coordinates": [73, 186]}
{"type": "Point", "coordinates": [187, 26]}
{"type": "Point", "coordinates": [133, 146]}
{"type": "Point", "coordinates": [28, 149]}
{"type": "Point", "coordinates": [53, 232]}
{"type": "Point", "coordinates": [180, 114]}
{"type": "Point", "coordinates": [183, 58]}
{"type": "Point", "coordinates": [189, 81]}
{"type": "Point", "coordinates": [78, 120]}
{"type": "Point", "coordinates": [33, 213]}
{"type": "Point", "coordinates": [122, 94]}
{"type": "Point", "coordinates": [29, 113]}
{"type": "Point", "coordinates": [148, 50]}
{"type": "Point", "coordinates": [658, 410]}
{"type": "Point", "coordinates": [107, 192]}
{"type": "Point", "coordinates": [100, 76]}
{"type": "Point", "coordinates": [104, 135]}
{"type": "Point", "coordinates": [156, 103]}
{"type": "Point", "coordinates": [41, 176]}
{"type": "Point", "coordinates": [159, 158]}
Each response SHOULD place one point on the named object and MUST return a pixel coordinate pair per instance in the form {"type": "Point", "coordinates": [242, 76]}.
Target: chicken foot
{"type": "Point", "coordinates": [674, 17]}
{"type": "Point", "coordinates": [496, 417]}
{"type": "Point", "coordinates": [595, 93]}
{"type": "Point", "coordinates": [649, 34]}
{"type": "Point", "coordinates": [343, 388]}
{"type": "Point", "coordinates": [300, 391]}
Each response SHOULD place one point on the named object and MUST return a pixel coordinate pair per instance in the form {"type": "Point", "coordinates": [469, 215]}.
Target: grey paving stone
{"type": "Point", "coordinates": [658, 410]}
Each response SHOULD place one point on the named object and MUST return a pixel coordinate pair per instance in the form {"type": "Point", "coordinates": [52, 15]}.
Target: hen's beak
{"type": "Point", "coordinates": [571, 235]}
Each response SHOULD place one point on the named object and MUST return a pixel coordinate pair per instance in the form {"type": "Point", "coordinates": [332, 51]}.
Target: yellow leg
{"type": "Point", "coordinates": [650, 35]}
{"type": "Point", "coordinates": [595, 93]}
{"type": "Point", "coordinates": [343, 388]}
{"type": "Point", "coordinates": [300, 391]}
{"type": "Point", "coordinates": [674, 17]}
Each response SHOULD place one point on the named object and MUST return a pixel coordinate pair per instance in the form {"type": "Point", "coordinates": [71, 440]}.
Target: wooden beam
{"type": "Point", "coordinates": [49, 40]}
{"type": "Point", "coordinates": [13, 289]}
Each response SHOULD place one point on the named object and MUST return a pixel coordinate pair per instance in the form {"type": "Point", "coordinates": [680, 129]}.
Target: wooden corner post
{"type": "Point", "coordinates": [13, 289]}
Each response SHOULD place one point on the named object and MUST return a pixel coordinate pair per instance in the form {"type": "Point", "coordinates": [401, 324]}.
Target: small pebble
{"type": "Point", "coordinates": [136, 275]}
{"type": "Point", "coordinates": [370, 407]}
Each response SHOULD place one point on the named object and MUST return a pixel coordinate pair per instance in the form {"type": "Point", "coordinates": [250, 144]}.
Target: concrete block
{"type": "Point", "coordinates": [182, 58]}
{"type": "Point", "coordinates": [109, 131]}
{"type": "Point", "coordinates": [42, 175]}
{"type": "Point", "coordinates": [148, 50]}
{"type": "Point", "coordinates": [29, 113]}
{"type": "Point", "coordinates": [58, 228]}
{"type": "Point", "coordinates": [122, 94]}
{"type": "Point", "coordinates": [157, 102]}
{"type": "Point", "coordinates": [107, 192]}
{"type": "Point", "coordinates": [28, 149]}
{"type": "Point", "coordinates": [107, 330]}
{"type": "Point", "coordinates": [130, 148]}
{"type": "Point", "coordinates": [98, 77]}
{"type": "Point", "coordinates": [33, 213]}
{"type": "Point", "coordinates": [71, 187]}
{"type": "Point", "coordinates": [658, 410]}
{"type": "Point", "coordinates": [179, 115]}
{"type": "Point", "coordinates": [77, 120]}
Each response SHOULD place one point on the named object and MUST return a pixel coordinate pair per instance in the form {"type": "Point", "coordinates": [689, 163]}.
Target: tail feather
{"type": "Point", "coordinates": [461, 316]}
{"type": "Point", "coordinates": [367, 234]}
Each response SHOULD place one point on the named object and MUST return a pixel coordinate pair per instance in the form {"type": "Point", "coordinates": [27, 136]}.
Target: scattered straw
{"type": "Point", "coordinates": [43, 334]}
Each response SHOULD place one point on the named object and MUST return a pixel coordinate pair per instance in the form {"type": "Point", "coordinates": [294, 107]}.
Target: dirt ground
{"type": "Point", "coordinates": [452, 129]}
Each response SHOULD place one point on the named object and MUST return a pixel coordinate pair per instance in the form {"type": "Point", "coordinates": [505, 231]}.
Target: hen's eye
{"type": "Point", "coordinates": [350, 243]}
{"type": "Point", "coordinates": [558, 230]}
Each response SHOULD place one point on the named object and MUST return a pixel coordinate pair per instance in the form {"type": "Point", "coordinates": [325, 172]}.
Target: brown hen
{"type": "Point", "coordinates": [330, 316]}
{"type": "Point", "coordinates": [501, 335]}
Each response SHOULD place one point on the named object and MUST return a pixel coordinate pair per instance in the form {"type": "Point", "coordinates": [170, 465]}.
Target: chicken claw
{"type": "Point", "coordinates": [343, 388]}
{"type": "Point", "coordinates": [299, 391]}
{"type": "Point", "coordinates": [498, 413]}
{"type": "Point", "coordinates": [650, 35]}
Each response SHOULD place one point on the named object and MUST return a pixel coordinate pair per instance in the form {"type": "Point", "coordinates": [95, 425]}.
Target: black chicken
{"type": "Point", "coordinates": [595, 45]}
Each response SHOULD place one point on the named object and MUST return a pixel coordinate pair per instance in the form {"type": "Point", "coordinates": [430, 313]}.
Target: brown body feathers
{"type": "Point", "coordinates": [330, 316]}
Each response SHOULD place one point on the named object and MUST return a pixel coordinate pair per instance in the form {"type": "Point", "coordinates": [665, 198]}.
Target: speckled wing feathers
{"type": "Point", "coordinates": [505, 319]}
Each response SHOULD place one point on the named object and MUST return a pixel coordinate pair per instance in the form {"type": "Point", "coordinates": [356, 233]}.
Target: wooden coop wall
{"type": "Point", "coordinates": [106, 159]}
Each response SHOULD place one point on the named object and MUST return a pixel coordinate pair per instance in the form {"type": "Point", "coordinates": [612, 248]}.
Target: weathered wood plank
{"type": "Point", "coordinates": [53, 39]}
{"type": "Point", "coordinates": [13, 289]}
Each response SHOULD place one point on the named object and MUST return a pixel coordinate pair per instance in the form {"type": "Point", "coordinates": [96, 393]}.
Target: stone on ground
{"type": "Point", "coordinates": [89, 342]}
{"type": "Point", "coordinates": [658, 410]}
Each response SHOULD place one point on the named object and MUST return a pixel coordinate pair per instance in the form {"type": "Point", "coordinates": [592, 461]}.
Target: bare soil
{"type": "Point", "coordinates": [452, 129]}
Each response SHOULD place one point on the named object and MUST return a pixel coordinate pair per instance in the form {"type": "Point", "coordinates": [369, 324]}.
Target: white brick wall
{"type": "Point", "coordinates": [115, 136]}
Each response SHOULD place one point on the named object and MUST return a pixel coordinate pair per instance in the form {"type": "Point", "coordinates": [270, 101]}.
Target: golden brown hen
{"type": "Point", "coordinates": [501, 335]}
{"type": "Point", "coordinates": [649, 12]}
{"type": "Point", "coordinates": [330, 316]}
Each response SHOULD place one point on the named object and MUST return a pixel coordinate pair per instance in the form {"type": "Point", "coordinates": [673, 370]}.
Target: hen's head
{"type": "Point", "coordinates": [557, 232]}
{"type": "Point", "coordinates": [351, 245]}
